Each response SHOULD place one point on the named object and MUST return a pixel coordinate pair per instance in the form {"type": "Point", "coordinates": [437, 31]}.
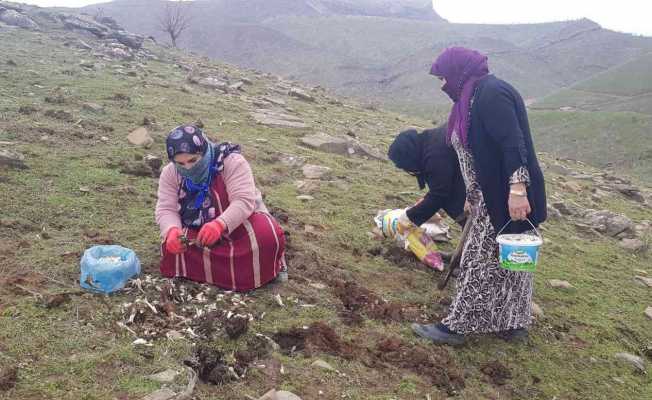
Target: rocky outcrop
{"type": "Point", "coordinates": [16, 18]}
{"type": "Point", "coordinates": [340, 145]}
{"type": "Point", "coordinates": [87, 24]}
{"type": "Point", "coordinates": [277, 119]}
{"type": "Point", "coordinates": [608, 222]}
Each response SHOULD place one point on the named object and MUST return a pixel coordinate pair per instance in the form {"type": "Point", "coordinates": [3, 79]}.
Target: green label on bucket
{"type": "Point", "coordinates": [518, 257]}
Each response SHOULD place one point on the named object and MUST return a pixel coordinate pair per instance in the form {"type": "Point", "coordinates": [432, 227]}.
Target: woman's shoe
{"type": "Point", "coordinates": [513, 335]}
{"type": "Point", "coordinates": [438, 333]}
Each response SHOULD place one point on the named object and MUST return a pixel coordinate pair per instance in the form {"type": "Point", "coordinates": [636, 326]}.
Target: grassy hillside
{"type": "Point", "coordinates": [619, 140]}
{"type": "Point", "coordinates": [68, 109]}
{"type": "Point", "coordinates": [627, 87]}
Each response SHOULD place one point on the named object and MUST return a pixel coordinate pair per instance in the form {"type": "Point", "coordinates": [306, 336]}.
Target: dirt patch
{"type": "Point", "coordinates": [60, 115]}
{"type": "Point", "coordinates": [17, 283]}
{"type": "Point", "coordinates": [210, 366]}
{"type": "Point", "coordinates": [434, 364]}
{"type": "Point", "coordinates": [236, 326]}
{"type": "Point", "coordinates": [54, 300]}
{"type": "Point", "coordinates": [213, 367]}
{"type": "Point", "coordinates": [280, 214]}
{"type": "Point", "coordinates": [497, 373]}
{"type": "Point", "coordinates": [8, 378]}
{"type": "Point", "coordinates": [360, 300]}
{"type": "Point", "coordinates": [400, 257]}
{"type": "Point", "coordinates": [317, 338]}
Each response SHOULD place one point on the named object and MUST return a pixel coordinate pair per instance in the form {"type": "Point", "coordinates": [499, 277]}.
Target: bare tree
{"type": "Point", "coordinates": [175, 19]}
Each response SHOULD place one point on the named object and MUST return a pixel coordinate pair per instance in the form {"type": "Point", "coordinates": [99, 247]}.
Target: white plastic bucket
{"type": "Point", "coordinates": [519, 252]}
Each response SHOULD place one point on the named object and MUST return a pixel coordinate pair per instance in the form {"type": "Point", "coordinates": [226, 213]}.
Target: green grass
{"type": "Point", "coordinates": [626, 87]}
{"type": "Point", "coordinates": [77, 351]}
{"type": "Point", "coordinates": [620, 141]}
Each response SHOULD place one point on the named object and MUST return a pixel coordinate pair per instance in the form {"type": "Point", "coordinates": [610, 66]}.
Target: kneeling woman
{"type": "Point", "coordinates": [216, 228]}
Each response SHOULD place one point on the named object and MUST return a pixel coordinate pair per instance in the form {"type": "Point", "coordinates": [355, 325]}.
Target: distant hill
{"type": "Point", "coordinates": [72, 176]}
{"type": "Point", "coordinates": [627, 87]}
{"type": "Point", "coordinates": [381, 50]}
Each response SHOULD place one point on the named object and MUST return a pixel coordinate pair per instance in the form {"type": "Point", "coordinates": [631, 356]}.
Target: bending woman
{"type": "Point", "coordinates": [488, 128]}
{"type": "Point", "coordinates": [215, 226]}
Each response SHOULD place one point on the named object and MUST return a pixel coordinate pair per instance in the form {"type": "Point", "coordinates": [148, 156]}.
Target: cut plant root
{"type": "Point", "coordinates": [177, 309]}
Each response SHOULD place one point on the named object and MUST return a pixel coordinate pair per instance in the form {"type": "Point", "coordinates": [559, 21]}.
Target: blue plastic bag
{"type": "Point", "coordinates": [107, 268]}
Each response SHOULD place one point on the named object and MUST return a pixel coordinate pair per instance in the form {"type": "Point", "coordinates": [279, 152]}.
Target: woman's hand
{"type": "Point", "coordinates": [404, 223]}
{"type": "Point", "coordinates": [518, 204]}
{"type": "Point", "coordinates": [210, 233]}
{"type": "Point", "coordinates": [173, 241]}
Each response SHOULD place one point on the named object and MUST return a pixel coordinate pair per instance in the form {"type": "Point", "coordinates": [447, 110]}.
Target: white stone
{"type": "Point", "coordinates": [140, 137]}
{"type": "Point", "coordinates": [327, 143]}
{"type": "Point", "coordinates": [323, 365]}
{"type": "Point", "coordinates": [644, 280]}
{"type": "Point", "coordinates": [635, 361]}
{"type": "Point", "coordinates": [634, 245]}
{"type": "Point", "coordinates": [537, 311]}
{"type": "Point", "coordinates": [301, 94]}
{"type": "Point", "coordinates": [166, 376]}
{"type": "Point", "coordinates": [559, 284]}
{"type": "Point", "coordinates": [312, 171]}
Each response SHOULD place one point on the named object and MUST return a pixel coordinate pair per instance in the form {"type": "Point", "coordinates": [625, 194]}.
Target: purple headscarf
{"type": "Point", "coordinates": [462, 68]}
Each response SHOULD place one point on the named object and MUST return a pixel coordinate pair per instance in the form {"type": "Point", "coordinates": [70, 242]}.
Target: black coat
{"type": "Point", "coordinates": [441, 171]}
{"type": "Point", "coordinates": [500, 142]}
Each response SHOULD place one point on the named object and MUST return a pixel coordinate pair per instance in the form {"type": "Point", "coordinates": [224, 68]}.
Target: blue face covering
{"type": "Point", "coordinates": [200, 172]}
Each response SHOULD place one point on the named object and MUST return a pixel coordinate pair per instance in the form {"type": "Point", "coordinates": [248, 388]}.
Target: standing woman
{"type": "Point", "coordinates": [215, 226]}
{"type": "Point", "coordinates": [488, 128]}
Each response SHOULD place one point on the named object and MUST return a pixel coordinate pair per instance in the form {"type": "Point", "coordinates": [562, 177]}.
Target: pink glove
{"type": "Point", "coordinates": [210, 233]}
{"type": "Point", "coordinates": [173, 243]}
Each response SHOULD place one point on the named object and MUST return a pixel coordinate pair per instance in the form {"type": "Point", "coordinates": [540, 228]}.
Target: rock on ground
{"type": "Point", "coordinates": [301, 94]}
{"type": "Point", "coordinates": [323, 365]}
{"type": "Point", "coordinates": [327, 143]}
{"type": "Point", "coordinates": [140, 137]}
{"type": "Point", "coordinates": [312, 171]}
{"type": "Point", "coordinates": [608, 222]}
{"type": "Point", "coordinates": [166, 376]}
{"type": "Point", "coordinates": [12, 159]}
{"type": "Point", "coordinates": [537, 311]}
{"type": "Point", "coordinates": [559, 284]}
{"type": "Point", "coordinates": [644, 280]}
{"type": "Point", "coordinates": [280, 395]}
{"type": "Point", "coordinates": [211, 83]}
{"type": "Point", "coordinates": [80, 22]}
{"type": "Point", "coordinates": [634, 245]}
{"type": "Point", "coordinates": [128, 39]}
{"type": "Point", "coordinates": [635, 361]}
{"type": "Point", "coordinates": [279, 119]}
{"type": "Point", "coordinates": [161, 394]}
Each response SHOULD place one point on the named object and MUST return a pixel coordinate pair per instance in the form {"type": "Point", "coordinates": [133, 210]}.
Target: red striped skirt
{"type": "Point", "coordinates": [248, 258]}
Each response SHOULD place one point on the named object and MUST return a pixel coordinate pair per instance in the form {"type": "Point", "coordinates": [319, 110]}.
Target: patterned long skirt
{"type": "Point", "coordinates": [248, 258]}
{"type": "Point", "coordinates": [489, 298]}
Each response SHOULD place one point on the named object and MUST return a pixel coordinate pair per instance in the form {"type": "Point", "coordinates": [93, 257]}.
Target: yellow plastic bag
{"type": "Point", "coordinates": [414, 239]}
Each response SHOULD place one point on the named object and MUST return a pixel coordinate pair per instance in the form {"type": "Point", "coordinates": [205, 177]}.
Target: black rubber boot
{"type": "Point", "coordinates": [438, 333]}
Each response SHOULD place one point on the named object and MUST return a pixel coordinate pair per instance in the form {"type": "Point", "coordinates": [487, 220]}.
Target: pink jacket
{"type": "Point", "coordinates": [244, 198]}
